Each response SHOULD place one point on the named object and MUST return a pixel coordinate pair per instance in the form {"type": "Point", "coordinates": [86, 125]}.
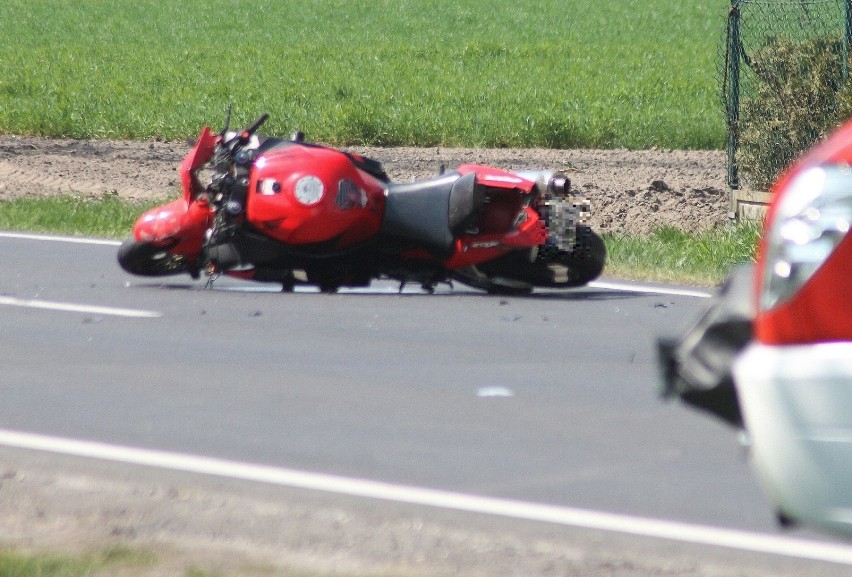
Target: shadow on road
{"type": "Point", "coordinates": [575, 294]}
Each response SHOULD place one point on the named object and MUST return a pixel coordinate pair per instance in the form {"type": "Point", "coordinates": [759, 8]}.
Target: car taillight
{"type": "Point", "coordinates": [811, 219]}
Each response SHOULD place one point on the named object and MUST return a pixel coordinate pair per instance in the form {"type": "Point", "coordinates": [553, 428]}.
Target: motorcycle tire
{"type": "Point", "coordinates": [588, 258]}
{"type": "Point", "coordinates": [474, 277]}
{"type": "Point", "coordinates": [563, 269]}
{"type": "Point", "coordinates": [517, 273]}
{"type": "Point", "coordinates": [147, 259]}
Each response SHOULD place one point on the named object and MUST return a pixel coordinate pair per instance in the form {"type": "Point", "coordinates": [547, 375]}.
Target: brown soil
{"type": "Point", "coordinates": [630, 191]}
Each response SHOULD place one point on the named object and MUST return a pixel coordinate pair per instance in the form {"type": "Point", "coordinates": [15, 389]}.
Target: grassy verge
{"type": "Point", "coordinates": [130, 562]}
{"type": "Point", "coordinates": [109, 561]}
{"type": "Point", "coordinates": [667, 255]}
{"type": "Point", "coordinates": [124, 561]}
{"type": "Point", "coordinates": [672, 256]}
{"type": "Point", "coordinates": [559, 74]}
{"type": "Point", "coordinates": [107, 217]}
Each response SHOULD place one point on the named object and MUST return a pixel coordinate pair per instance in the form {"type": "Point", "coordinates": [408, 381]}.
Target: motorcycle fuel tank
{"type": "Point", "coordinates": [302, 194]}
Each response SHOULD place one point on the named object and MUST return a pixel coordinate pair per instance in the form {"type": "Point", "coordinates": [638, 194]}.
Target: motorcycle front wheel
{"type": "Point", "coordinates": [147, 259]}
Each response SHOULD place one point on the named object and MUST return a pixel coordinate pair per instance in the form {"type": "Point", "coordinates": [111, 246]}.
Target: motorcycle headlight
{"type": "Point", "coordinates": [811, 219]}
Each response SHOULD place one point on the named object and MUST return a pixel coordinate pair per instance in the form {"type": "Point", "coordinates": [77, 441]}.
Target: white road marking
{"type": "Point", "coordinates": [568, 516]}
{"type": "Point", "coordinates": [77, 308]}
{"type": "Point", "coordinates": [69, 239]}
{"type": "Point", "coordinates": [371, 290]}
{"type": "Point", "coordinates": [650, 289]}
{"type": "Point", "coordinates": [495, 391]}
{"type": "Point", "coordinates": [414, 289]}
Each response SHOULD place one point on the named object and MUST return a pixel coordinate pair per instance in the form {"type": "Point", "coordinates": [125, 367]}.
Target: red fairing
{"type": "Point", "coordinates": [177, 220]}
{"type": "Point", "coordinates": [474, 249]}
{"type": "Point", "coordinates": [185, 219]}
{"type": "Point", "coordinates": [496, 178]}
{"type": "Point", "coordinates": [347, 211]}
{"type": "Point", "coordinates": [194, 159]}
{"type": "Point", "coordinates": [820, 312]}
{"type": "Point", "coordinates": [497, 229]}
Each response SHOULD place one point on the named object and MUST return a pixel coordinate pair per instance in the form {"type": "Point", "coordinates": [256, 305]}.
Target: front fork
{"type": "Point", "coordinates": [228, 191]}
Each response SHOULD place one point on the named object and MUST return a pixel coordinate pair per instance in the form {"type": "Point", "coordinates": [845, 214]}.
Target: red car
{"type": "Point", "coordinates": [773, 354]}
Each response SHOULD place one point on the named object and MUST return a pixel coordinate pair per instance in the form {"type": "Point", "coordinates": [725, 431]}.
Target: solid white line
{"type": "Point", "coordinates": [75, 308]}
{"type": "Point", "coordinates": [656, 528]}
{"type": "Point", "coordinates": [71, 239]}
{"type": "Point", "coordinates": [414, 289]}
{"type": "Point", "coordinates": [599, 284]}
{"type": "Point", "coordinates": [650, 289]}
{"type": "Point", "coordinates": [373, 290]}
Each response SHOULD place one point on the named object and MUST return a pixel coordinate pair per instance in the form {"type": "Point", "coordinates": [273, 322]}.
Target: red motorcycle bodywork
{"type": "Point", "coordinates": [497, 230]}
{"type": "Point", "coordinates": [181, 224]}
{"type": "Point", "coordinates": [349, 211]}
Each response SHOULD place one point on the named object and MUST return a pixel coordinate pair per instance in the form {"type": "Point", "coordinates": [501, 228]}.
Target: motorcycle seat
{"type": "Point", "coordinates": [431, 213]}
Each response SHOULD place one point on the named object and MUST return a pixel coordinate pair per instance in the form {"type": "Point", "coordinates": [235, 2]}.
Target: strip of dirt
{"type": "Point", "coordinates": [170, 524]}
{"type": "Point", "coordinates": [630, 191]}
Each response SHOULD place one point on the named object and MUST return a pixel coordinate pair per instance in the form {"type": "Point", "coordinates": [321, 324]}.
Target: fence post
{"type": "Point", "coordinates": [732, 98]}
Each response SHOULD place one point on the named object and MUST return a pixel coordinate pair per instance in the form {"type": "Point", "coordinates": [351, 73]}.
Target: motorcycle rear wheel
{"type": "Point", "coordinates": [517, 273]}
{"type": "Point", "coordinates": [586, 262]}
{"type": "Point", "coordinates": [496, 285]}
{"type": "Point", "coordinates": [147, 259]}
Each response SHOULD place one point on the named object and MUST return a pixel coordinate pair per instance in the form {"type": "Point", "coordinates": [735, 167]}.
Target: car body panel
{"type": "Point", "coordinates": [797, 407]}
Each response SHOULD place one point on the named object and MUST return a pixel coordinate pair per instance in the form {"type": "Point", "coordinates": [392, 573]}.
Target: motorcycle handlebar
{"type": "Point", "coordinates": [241, 138]}
{"type": "Point", "coordinates": [251, 129]}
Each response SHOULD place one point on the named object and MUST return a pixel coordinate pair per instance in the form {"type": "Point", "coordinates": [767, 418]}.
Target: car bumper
{"type": "Point", "coordinates": [797, 406]}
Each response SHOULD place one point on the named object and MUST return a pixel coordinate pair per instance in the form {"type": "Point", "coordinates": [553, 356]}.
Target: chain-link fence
{"type": "Point", "coordinates": [783, 69]}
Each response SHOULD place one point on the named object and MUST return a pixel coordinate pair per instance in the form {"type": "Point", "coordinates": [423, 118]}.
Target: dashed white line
{"type": "Point", "coordinates": [567, 516]}
{"type": "Point", "coordinates": [77, 308]}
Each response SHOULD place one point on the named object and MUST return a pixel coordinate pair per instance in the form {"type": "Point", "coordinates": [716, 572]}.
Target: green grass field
{"type": "Point", "coordinates": [564, 74]}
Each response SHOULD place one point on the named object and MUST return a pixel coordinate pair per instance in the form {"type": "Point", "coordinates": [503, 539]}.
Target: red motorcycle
{"type": "Point", "coordinates": [292, 212]}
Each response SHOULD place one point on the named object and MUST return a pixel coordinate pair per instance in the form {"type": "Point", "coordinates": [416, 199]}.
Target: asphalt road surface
{"type": "Point", "coordinates": [548, 400]}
